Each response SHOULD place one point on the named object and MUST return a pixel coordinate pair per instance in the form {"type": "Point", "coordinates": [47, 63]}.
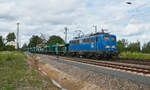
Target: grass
{"type": "Point", "coordinates": [15, 74]}
{"type": "Point", "coordinates": [134, 55]}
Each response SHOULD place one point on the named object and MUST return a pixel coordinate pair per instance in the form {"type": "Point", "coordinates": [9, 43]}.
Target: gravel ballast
{"type": "Point", "coordinates": [104, 81]}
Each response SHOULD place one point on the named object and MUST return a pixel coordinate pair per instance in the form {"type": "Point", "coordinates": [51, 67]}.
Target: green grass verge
{"type": "Point", "coordinates": [136, 55]}
{"type": "Point", "coordinates": [15, 74]}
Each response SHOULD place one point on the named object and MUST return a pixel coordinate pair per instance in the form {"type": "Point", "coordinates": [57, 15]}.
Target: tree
{"type": "Point", "coordinates": [24, 47]}
{"type": "Point", "coordinates": [146, 47]}
{"type": "Point", "coordinates": [11, 37]}
{"type": "Point", "coordinates": [43, 37]}
{"type": "Point", "coordinates": [1, 43]}
{"type": "Point", "coordinates": [55, 39]}
{"type": "Point", "coordinates": [122, 45]}
{"type": "Point", "coordinates": [134, 47]}
{"type": "Point", "coordinates": [34, 41]}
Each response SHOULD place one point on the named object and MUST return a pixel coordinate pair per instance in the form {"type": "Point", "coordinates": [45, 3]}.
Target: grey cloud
{"type": "Point", "coordinates": [134, 34]}
{"type": "Point", "coordinates": [8, 17]}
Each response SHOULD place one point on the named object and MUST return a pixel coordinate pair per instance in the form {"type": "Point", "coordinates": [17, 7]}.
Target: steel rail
{"type": "Point", "coordinates": [111, 65]}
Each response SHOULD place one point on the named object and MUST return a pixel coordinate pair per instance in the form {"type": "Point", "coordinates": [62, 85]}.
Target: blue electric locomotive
{"type": "Point", "coordinates": [97, 45]}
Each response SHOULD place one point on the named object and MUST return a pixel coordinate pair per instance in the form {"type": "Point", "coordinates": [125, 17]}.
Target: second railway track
{"type": "Point", "coordinates": [110, 65]}
{"type": "Point", "coordinates": [132, 61]}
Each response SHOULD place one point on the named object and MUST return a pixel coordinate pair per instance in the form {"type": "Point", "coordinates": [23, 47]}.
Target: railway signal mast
{"type": "Point", "coordinates": [18, 35]}
{"type": "Point", "coordinates": [66, 30]}
{"type": "Point", "coordinates": [95, 26]}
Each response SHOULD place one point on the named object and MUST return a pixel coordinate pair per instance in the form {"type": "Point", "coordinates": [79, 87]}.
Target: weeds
{"type": "Point", "coordinates": [134, 55]}
{"type": "Point", "coordinates": [16, 75]}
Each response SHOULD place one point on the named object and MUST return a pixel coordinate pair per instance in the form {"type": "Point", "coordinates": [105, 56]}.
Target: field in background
{"type": "Point", "coordinates": [134, 55]}
{"type": "Point", "coordinates": [15, 74]}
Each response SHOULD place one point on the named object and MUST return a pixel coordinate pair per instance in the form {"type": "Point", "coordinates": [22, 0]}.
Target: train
{"type": "Point", "coordinates": [98, 45]}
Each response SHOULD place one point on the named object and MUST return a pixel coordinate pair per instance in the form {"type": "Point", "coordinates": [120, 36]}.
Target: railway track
{"type": "Point", "coordinates": [111, 65]}
{"type": "Point", "coordinates": [120, 60]}
{"type": "Point", "coordinates": [132, 61]}
{"type": "Point", "coordinates": [123, 60]}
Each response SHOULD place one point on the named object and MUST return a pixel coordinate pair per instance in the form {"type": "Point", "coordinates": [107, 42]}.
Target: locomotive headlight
{"type": "Point", "coordinates": [113, 47]}
{"type": "Point", "coordinates": [107, 46]}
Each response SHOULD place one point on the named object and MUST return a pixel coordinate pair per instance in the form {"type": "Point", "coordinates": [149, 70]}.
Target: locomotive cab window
{"type": "Point", "coordinates": [113, 38]}
{"type": "Point", "coordinates": [106, 38]}
{"type": "Point", "coordinates": [92, 39]}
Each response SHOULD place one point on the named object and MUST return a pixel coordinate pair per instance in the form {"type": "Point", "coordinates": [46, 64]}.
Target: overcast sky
{"type": "Point", "coordinates": [49, 17]}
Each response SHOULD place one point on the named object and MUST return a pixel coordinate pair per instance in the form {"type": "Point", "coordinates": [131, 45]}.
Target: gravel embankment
{"type": "Point", "coordinates": [107, 82]}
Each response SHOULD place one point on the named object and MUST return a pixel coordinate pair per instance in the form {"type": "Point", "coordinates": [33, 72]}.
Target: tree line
{"type": "Point", "coordinates": [124, 46]}
{"type": "Point", "coordinates": [36, 40]}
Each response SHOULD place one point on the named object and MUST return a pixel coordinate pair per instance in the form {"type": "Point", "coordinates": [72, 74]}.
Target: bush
{"type": "Point", "coordinates": [9, 48]}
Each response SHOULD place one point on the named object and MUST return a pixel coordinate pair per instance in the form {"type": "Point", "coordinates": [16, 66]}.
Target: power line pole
{"type": "Point", "coordinates": [18, 35]}
{"type": "Point", "coordinates": [95, 28]}
{"type": "Point", "coordinates": [66, 30]}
